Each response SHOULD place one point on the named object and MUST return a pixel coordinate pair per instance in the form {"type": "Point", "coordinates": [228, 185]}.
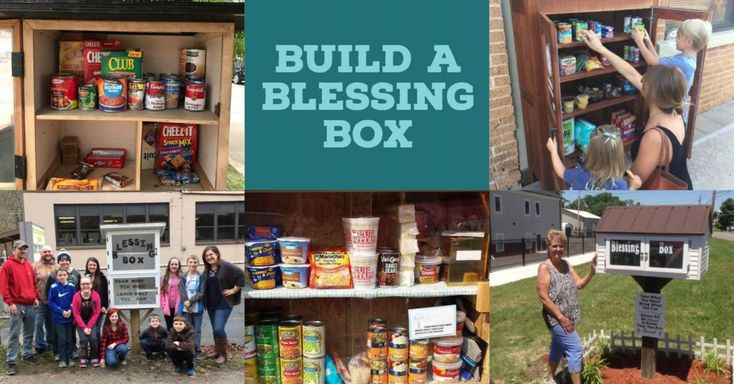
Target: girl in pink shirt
{"type": "Point", "coordinates": [170, 296]}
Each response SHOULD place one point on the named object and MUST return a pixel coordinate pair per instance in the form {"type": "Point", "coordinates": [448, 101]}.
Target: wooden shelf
{"type": "Point", "coordinates": [593, 107]}
{"type": "Point", "coordinates": [596, 73]}
{"type": "Point", "coordinates": [179, 115]}
{"type": "Point", "coordinates": [149, 181]}
{"type": "Point", "coordinates": [580, 44]}
{"type": "Point", "coordinates": [421, 290]}
{"type": "Point", "coordinates": [64, 170]}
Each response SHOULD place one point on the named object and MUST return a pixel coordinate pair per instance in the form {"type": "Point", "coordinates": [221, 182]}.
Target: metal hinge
{"type": "Point", "coordinates": [216, 109]}
{"type": "Point", "coordinates": [16, 59]}
{"type": "Point", "coordinates": [20, 167]}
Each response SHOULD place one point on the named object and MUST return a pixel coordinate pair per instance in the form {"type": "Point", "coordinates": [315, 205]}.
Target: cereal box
{"type": "Point", "coordinates": [93, 59]}
{"type": "Point", "coordinates": [71, 59]}
{"type": "Point", "coordinates": [122, 63]}
{"type": "Point", "coordinates": [176, 147]}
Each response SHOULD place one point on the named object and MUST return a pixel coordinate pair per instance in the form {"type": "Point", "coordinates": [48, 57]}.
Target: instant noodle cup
{"type": "Point", "coordinates": [427, 269]}
{"type": "Point", "coordinates": [448, 349]}
{"type": "Point", "coordinates": [364, 271]}
{"type": "Point", "coordinates": [261, 253]}
{"type": "Point", "coordinates": [294, 276]}
{"type": "Point", "coordinates": [360, 235]}
{"type": "Point", "coordinates": [263, 277]}
{"type": "Point", "coordinates": [446, 372]}
{"type": "Point", "coordinates": [294, 250]}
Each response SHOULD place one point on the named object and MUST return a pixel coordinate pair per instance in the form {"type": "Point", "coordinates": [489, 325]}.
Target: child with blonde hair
{"type": "Point", "coordinates": [605, 163]}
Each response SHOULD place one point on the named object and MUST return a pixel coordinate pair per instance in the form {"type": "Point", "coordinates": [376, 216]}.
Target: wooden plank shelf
{"type": "Point", "coordinates": [606, 103]}
{"type": "Point", "coordinates": [580, 44]}
{"type": "Point", "coordinates": [596, 73]}
{"type": "Point", "coordinates": [439, 289]}
{"type": "Point", "coordinates": [178, 115]}
{"type": "Point", "coordinates": [64, 170]}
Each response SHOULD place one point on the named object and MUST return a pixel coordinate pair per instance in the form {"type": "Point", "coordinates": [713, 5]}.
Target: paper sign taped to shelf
{"type": "Point", "coordinates": [468, 255]}
{"type": "Point", "coordinates": [650, 315]}
{"type": "Point", "coordinates": [424, 323]}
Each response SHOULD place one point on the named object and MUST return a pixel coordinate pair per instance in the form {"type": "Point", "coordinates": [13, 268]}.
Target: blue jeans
{"type": "Point", "coordinates": [566, 344]}
{"type": "Point", "coordinates": [195, 319]}
{"type": "Point", "coordinates": [26, 318]}
{"type": "Point", "coordinates": [45, 336]}
{"type": "Point", "coordinates": [150, 347]}
{"type": "Point", "coordinates": [115, 356]}
{"type": "Point", "coordinates": [88, 345]}
{"type": "Point", "coordinates": [65, 336]}
{"type": "Point", "coordinates": [218, 318]}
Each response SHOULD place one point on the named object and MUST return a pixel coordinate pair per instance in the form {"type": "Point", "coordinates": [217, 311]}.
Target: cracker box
{"type": "Point", "coordinates": [122, 63]}
{"type": "Point", "coordinates": [71, 58]}
{"type": "Point", "coordinates": [93, 58]}
{"type": "Point", "coordinates": [150, 135]}
{"type": "Point", "coordinates": [176, 148]}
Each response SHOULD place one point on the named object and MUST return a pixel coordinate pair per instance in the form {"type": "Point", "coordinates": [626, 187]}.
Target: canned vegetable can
{"type": "Point", "coordinates": [313, 370]}
{"type": "Point", "coordinates": [314, 345]}
{"type": "Point", "coordinates": [289, 338]}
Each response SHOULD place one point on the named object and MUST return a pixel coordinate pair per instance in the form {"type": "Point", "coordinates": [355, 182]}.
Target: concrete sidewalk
{"type": "Point", "coordinates": [511, 275]}
{"type": "Point", "coordinates": [713, 154]}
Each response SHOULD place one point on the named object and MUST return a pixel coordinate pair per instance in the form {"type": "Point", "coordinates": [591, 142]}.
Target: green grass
{"type": "Point", "coordinates": [519, 338]}
{"type": "Point", "coordinates": [235, 180]}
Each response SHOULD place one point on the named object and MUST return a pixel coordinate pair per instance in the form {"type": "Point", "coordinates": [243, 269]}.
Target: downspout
{"type": "Point", "coordinates": [514, 85]}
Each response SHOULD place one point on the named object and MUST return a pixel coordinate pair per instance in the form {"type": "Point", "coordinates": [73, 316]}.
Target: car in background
{"type": "Point", "coordinates": [238, 74]}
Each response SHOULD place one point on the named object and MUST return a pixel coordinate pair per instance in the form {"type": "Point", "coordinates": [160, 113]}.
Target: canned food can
{"type": "Point", "coordinates": [63, 91]}
{"type": "Point", "coordinates": [417, 377]}
{"type": "Point", "coordinates": [297, 318]}
{"type": "Point", "coordinates": [398, 337]}
{"type": "Point", "coordinates": [192, 62]}
{"type": "Point", "coordinates": [250, 344]}
{"type": "Point", "coordinates": [168, 75]}
{"type": "Point", "coordinates": [147, 76]}
{"type": "Point", "coordinates": [291, 371]}
{"type": "Point", "coordinates": [269, 375]}
{"type": "Point", "coordinates": [419, 349]}
{"type": "Point", "coordinates": [195, 99]}
{"type": "Point", "coordinates": [155, 95]}
{"type": "Point", "coordinates": [251, 368]}
{"type": "Point", "coordinates": [173, 93]}
{"type": "Point", "coordinates": [314, 339]}
{"type": "Point", "coordinates": [397, 368]}
{"type": "Point", "coordinates": [627, 24]}
{"type": "Point", "coordinates": [313, 370]}
{"type": "Point", "coordinates": [136, 94]}
{"type": "Point", "coordinates": [377, 343]}
{"type": "Point", "coordinates": [87, 98]}
{"type": "Point", "coordinates": [377, 322]}
{"type": "Point", "coordinates": [266, 337]}
{"type": "Point", "coordinates": [289, 336]}
{"type": "Point", "coordinates": [397, 379]}
{"type": "Point", "coordinates": [417, 365]}
{"type": "Point", "coordinates": [112, 94]}
{"type": "Point", "coordinates": [378, 365]}
{"type": "Point", "coordinates": [397, 352]}
{"type": "Point", "coordinates": [378, 377]}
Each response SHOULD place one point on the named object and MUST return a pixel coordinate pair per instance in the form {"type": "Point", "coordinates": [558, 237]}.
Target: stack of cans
{"type": "Point", "coordinates": [397, 356]}
{"type": "Point", "coordinates": [418, 365]}
{"type": "Point", "coordinates": [377, 350]}
{"type": "Point", "coordinates": [268, 351]}
{"type": "Point", "coordinates": [314, 352]}
{"type": "Point", "coordinates": [289, 344]}
{"type": "Point", "coordinates": [250, 353]}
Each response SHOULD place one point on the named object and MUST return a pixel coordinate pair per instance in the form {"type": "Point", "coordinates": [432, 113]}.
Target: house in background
{"type": "Point", "coordinates": [582, 223]}
{"type": "Point", "coordinates": [521, 219]}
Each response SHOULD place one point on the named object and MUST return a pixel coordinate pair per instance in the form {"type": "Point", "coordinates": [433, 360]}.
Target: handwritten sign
{"type": "Point", "coordinates": [650, 315]}
{"type": "Point", "coordinates": [424, 323]}
{"type": "Point", "coordinates": [134, 252]}
{"type": "Point", "coordinates": [134, 292]}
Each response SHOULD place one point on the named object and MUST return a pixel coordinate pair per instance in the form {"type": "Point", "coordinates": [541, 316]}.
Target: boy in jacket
{"type": "Point", "coordinates": [59, 301]}
{"type": "Point", "coordinates": [153, 338]}
{"type": "Point", "coordinates": [180, 345]}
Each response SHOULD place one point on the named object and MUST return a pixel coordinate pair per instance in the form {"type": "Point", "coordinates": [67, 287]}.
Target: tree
{"type": "Point", "coordinates": [725, 217]}
{"type": "Point", "coordinates": [596, 204]}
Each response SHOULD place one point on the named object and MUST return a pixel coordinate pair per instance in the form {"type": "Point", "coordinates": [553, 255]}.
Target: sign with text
{"type": "Point", "coordinates": [133, 252]}
{"type": "Point", "coordinates": [650, 315]}
{"type": "Point", "coordinates": [625, 252]}
{"type": "Point", "coordinates": [666, 254]}
{"type": "Point", "coordinates": [424, 323]}
{"type": "Point", "coordinates": [134, 292]}
{"type": "Point", "coordinates": [336, 101]}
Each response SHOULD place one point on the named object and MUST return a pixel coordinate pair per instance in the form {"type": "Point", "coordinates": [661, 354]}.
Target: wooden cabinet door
{"type": "Point", "coordinates": [551, 84]}
{"type": "Point", "coordinates": [677, 14]}
{"type": "Point", "coordinates": [11, 107]}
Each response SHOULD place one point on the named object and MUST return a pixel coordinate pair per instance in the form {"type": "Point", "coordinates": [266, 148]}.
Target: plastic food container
{"type": "Point", "coordinates": [446, 372]}
{"type": "Point", "coordinates": [427, 269]}
{"type": "Point", "coordinates": [364, 271]}
{"type": "Point", "coordinates": [261, 253]}
{"type": "Point", "coordinates": [263, 277]}
{"type": "Point", "coordinates": [295, 276]}
{"type": "Point", "coordinates": [460, 317]}
{"type": "Point", "coordinates": [448, 349]}
{"type": "Point", "coordinates": [360, 235]}
{"type": "Point", "coordinates": [294, 250]}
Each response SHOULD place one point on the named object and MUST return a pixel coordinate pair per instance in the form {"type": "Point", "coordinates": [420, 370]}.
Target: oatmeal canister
{"type": "Point", "coordinates": [313, 370]}
{"type": "Point", "coordinates": [87, 98]}
{"type": "Point", "coordinates": [195, 96]}
{"type": "Point", "coordinates": [155, 95]}
{"type": "Point", "coordinates": [291, 371]}
{"type": "Point", "coordinates": [313, 339]}
{"type": "Point", "coordinates": [63, 91]}
{"type": "Point", "coordinates": [289, 336]}
{"type": "Point", "coordinates": [136, 94]}
{"type": "Point", "coordinates": [112, 94]}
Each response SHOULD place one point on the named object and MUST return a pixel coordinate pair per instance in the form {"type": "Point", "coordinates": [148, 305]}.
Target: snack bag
{"type": "Point", "coordinates": [330, 269]}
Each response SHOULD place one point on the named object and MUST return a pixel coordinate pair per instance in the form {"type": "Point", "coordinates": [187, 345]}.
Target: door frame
{"type": "Point", "coordinates": [19, 133]}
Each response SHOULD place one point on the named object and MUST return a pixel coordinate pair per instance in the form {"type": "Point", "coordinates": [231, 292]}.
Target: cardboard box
{"type": "Point", "coordinates": [122, 63]}
{"type": "Point", "coordinates": [148, 151]}
{"type": "Point", "coordinates": [464, 258]}
{"type": "Point", "coordinates": [71, 58]}
{"type": "Point", "coordinates": [93, 58]}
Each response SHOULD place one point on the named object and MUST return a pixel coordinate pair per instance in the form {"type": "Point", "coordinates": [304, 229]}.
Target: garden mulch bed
{"type": "Point", "coordinates": [669, 370]}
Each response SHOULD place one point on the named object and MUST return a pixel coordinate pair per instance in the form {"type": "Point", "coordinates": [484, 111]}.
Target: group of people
{"type": "Point", "coordinates": [60, 307]}
{"type": "Point", "coordinates": [665, 87]}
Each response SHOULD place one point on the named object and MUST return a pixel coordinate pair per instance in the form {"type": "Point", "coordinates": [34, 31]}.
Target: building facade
{"type": "Point", "coordinates": [522, 217]}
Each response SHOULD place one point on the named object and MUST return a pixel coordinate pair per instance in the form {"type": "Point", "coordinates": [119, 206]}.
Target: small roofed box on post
{"type": "Point", "coordinates": [670, 241]}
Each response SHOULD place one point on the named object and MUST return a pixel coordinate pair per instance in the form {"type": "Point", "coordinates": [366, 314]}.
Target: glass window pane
{"type": "Point", "coordinates": [89, 217]}
{"type": "Point", "coordinates": [65, 238]}
{"type": "Point", "coordinates": [65, 218]}
{"type": "Point", "coordinates": [225, 214]}
{"type": "Point", "coordinates": [225, 232]}
{"type": "Point", "coordinates": [7, 107]}
{"type": "Point", "coordinates": [135, 213]}
{"type": "Point", "coordinates": [624, 252]}
{"type": "Point", "coordinates": [205, 234]}
{"type": "Point", "coordinates": [113, 214]}
{"type": "Point", "coordinates": [666, 254]}
{"type": "Point", "coordinates": [90, 237]}
{"type": "Point", "coordinates": [204, 215]}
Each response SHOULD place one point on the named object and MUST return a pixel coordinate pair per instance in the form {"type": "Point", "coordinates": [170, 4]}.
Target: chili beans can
{"type": "Point", "coordinates": [313, 339]}
{"type": "Point", "coordinates": [195, 99]}
{"type": "Point", "coordinates": [63, 91]}
{"type": "Point", "coordinates": [313, 370]}
{"type": "Point", "coordinates": [112, 94]}
{"type": "Point", "coordinates": [289, 336]}
{"type": "Point", "coordinates": [173, 93]}
{"type": "Point", "coordinates": [155, 95]}
{"type": "Point", "coordinates": [250, 343]}
{"type": "Point", "coordinates": [136, 94]}
{"type": "Point", "coordinates": [291, 371]}
{"type": "Point", "coordinates": [266, 337]}
{"type": "Point", "coordinates": [87, 98]}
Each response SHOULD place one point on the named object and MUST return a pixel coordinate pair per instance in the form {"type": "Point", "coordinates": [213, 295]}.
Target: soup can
{"type": "Point", "coordinates": [250, 343]}
{"type": "Point", "coordinates": [291, 371]}
{"type": "Point", "coordinates": [63, 91]}
{"type": "Point", "coordinates": [87, 97]}
{"type": "Point", "coordinates": [112, 94]}
{"type": "Point", "coordinates": [313, 370]}
{"type": "Point", "coordinates": [195, 96]}
{"type": "Point", "coordinates": [313, 339]}
{"type": "Point", "coordinates": [173, 93]}
{"type": "Point", "coordinates": [155, 95]}
{"type": "Point", "coordinates": [136, 94]}
{"type": "Point", "coordinates": [147, 76]}
{"type": "Point", "coordinates": [289, 339]}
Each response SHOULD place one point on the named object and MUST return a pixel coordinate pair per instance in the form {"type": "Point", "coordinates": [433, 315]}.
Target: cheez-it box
{"type": "Point", "coordinates": [176, 147]}
{"type": "Point", "coordinates": [92, 57]}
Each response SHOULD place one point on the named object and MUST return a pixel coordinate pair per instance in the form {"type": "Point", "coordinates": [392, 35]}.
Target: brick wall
{"type": "Point", "coordinates": [717, 84]}
{"type": "Point", "coordinates": [504, 160]}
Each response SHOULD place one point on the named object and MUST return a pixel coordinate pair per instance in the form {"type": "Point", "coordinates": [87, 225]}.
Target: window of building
{"type": "Point", "coordinates": [220, 221]}
{"type": "Point", "coordinates": [537, 208]}
{"type": "Point", "coordinates": [498, 204]}
{"type": "Point", "coordinates": [499, 242]}
{"type": "Point", "coordinates": [78, 224]}
{"type": "Point", "coordinates": [527, 207]}
{"type": "Point", "coordinates": [722, 11]}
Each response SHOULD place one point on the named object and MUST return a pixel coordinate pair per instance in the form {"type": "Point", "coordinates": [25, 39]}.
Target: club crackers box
{"type": "Point", "coordinates": [93, 58]}
{"type": "Point", "coordinates": [122, 63]}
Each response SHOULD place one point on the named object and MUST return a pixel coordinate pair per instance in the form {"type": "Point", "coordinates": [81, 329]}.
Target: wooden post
{"type": "Point", "coordinates": [649, 344]}
{"type": "Point", "coordinates": [135, 328]}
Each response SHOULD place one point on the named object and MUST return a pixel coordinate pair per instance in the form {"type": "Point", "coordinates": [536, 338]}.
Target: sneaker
{"type": "Point", "coordinates": [124, 362]}
{"type": "Point", "coordinates": [62, 364]}
{"type": "Point", "coordinates": [11, 369]}
{"type": "Point", "coordinates": [71, 363]}
{"type": "Point", "coordinates": [197, 355]}
{"type": "Point", "coordinates": [40, 351]}
{"type": "Point", "coordinates": [190, 372]}
{"type": "Point", "coordinates": [83, 363]}
{"type": "Point", "coordinates": [75, 355]}
{"type": "Point", "coordinates": [31, 359]}
{"type": "Point", "coordinates": [177, 369]}
{"type": "Point", "coordinates": [95, 363]}
{"type": "Point", "coordinates": [56, 357]}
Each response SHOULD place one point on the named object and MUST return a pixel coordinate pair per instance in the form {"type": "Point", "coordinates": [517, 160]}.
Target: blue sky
{"type": "Point", "coordinates": [660, 197]}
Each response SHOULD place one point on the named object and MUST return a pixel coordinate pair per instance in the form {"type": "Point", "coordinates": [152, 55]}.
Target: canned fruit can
{"type": "Point", "coordinates": [87, 98]}
{"type": "Point", "coordinates": [266, 337]}
{"type": "Point", "coordinates": [112, 94]}
{"type": "Point", "coordinates": [397, 352]}
{"type": "Point", "coordinates": [136, 94]}
{"type": "Point", "coordinates": [155, 95]}
{"type": "Point", "coordinates": [419, 349]}
{"type": "Point", "coordinates": [63, 91]}
{"type": "Point", "coordinates": [314, 339]}
{"type": "Point", "coordinates": [250, 344]}
{"type": "Point", "coordinates": [173, 93]}
{"type": "Point", "coordinates": [291, 371]}
{"type": "Point", "coordinates": [289, 336]}
{"type": "Point", "coordinates": [195, 96]}
{"type": "Point", "coordinates": [192, 62]}
{"type": "Point", "coordinates": [313, 370]}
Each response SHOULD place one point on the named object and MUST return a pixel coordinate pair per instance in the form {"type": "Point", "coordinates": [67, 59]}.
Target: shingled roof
{"type": "Point", "coordinates": [656, 219]}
